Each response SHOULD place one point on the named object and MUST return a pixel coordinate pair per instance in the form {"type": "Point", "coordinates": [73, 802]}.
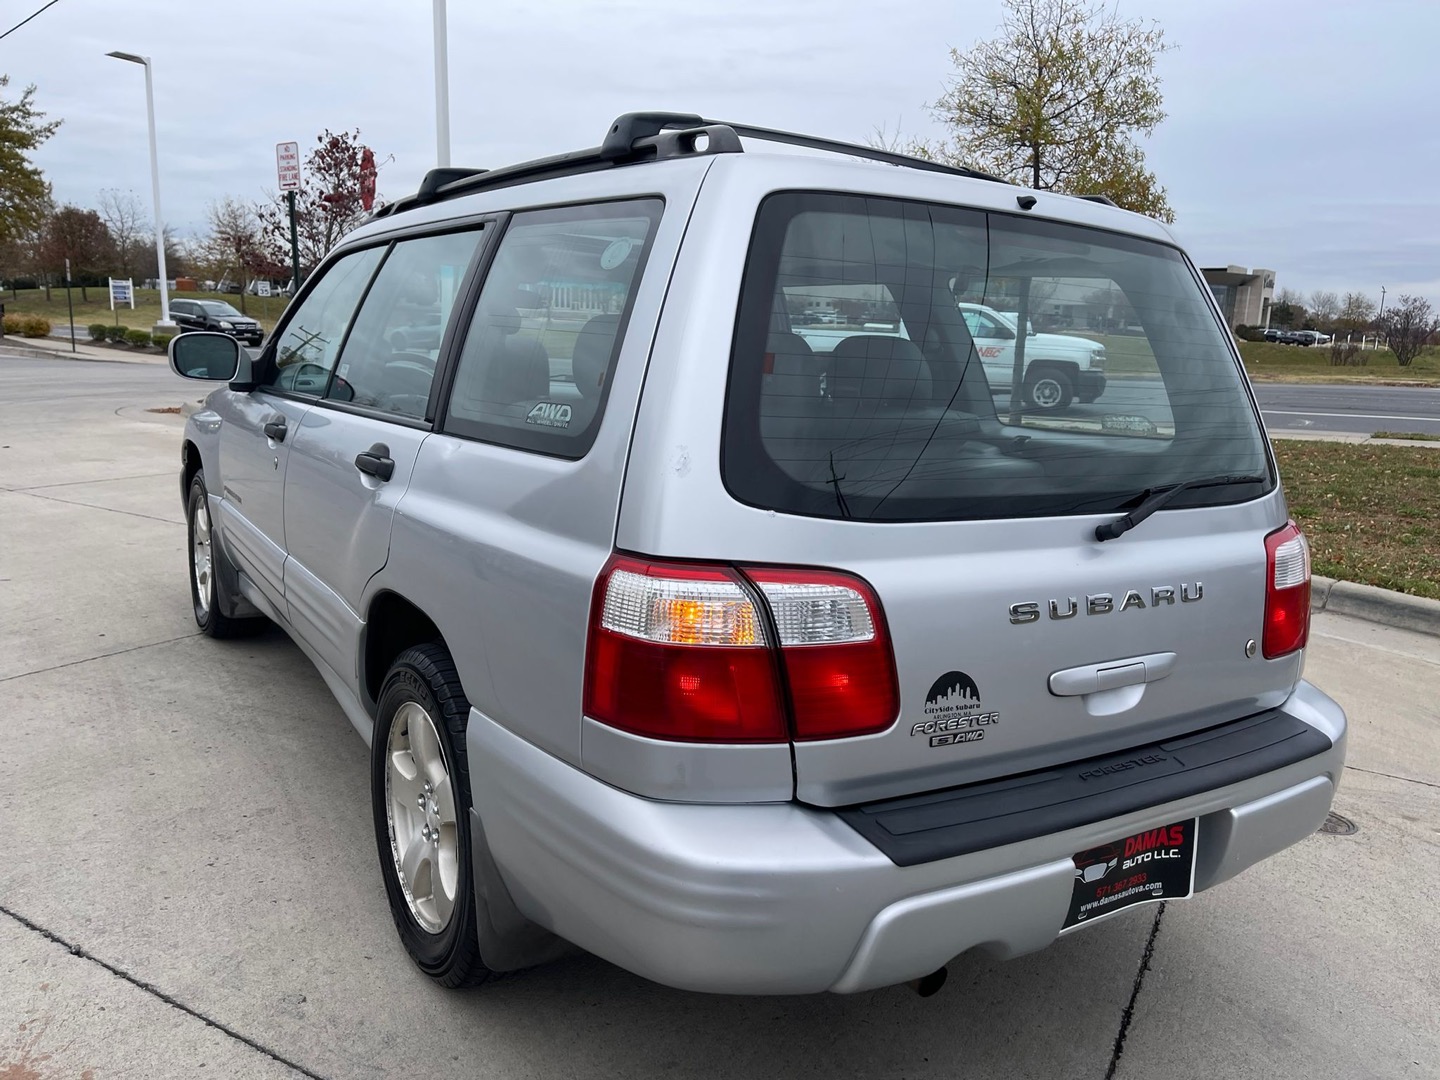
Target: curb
{"type": "Point", "coordinates": [1417, 613]}
{"type": "Point", "coordinates": [24, 351]}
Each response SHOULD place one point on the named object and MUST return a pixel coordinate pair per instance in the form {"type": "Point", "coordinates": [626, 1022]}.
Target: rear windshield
{"type": "Point", "coordinates": [903, 361]}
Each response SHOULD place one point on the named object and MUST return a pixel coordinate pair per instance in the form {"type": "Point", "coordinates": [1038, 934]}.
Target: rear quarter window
{"type": "Point", "coordinates": [534, 371]}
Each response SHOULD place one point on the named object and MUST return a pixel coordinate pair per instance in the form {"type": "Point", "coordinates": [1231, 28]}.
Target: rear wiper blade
{"type": "Point", "coordinates": [1155, 498]}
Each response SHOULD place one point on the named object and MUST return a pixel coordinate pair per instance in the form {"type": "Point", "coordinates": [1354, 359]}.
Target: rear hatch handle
{"type": "Point", "coordinates": [1111, 674]}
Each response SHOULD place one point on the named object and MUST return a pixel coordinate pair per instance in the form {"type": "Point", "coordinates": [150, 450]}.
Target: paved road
{"type": "Point", "coordinates": [191, 887]}
{"type": "Point", "coordinates": [1365, 409]}
{"type": "Point", "coordinates": [1290, 407]}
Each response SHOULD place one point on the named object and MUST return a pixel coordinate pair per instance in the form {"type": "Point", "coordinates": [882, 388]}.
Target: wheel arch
{"type": "Point", "coordinates": [190, 464]}
{"type": "Point", "coordinates": [1067, 367]}
{"type": "Point", "coordinates": [392, 625]}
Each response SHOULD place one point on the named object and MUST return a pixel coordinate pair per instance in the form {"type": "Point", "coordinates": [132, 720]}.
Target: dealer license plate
{"type": "Point", "coordinates": [1157, 864]}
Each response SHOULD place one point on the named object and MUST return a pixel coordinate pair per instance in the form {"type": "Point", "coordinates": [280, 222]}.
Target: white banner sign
{"type": "Point", "coordinates": [287, 165]}
{"type": "Point", "coordinates": [122, 292]}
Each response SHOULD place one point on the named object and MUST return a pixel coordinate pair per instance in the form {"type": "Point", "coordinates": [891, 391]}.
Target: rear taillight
{"type": "Point", "coordinates": [685, 652]}
{"type": "Point", "coordinates": [1287, 592]}
{"type": "Point", "coordinates": [835, 649]}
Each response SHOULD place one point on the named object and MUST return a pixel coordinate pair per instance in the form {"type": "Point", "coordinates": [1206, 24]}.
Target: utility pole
{"type": "Point", "coordinates": [1382, 304]}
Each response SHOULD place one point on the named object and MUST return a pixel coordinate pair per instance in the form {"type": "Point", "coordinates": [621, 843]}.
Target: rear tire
{"type": "Point", "coordinates": [420, 791]}
{"type": "Point", "coordinates": [204, 564]}
{"type": "Point", "coordinates": [1048, 388]}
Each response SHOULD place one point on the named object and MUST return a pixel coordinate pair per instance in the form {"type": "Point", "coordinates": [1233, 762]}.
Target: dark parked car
{"type": "Point", "coordinates": [218, 316]}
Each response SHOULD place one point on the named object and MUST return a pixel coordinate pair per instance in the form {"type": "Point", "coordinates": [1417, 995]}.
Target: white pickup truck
{"type": "Point", "coordinates": [1059, 368]}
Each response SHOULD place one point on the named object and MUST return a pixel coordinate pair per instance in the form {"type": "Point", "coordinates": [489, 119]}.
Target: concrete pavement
{"type": "Point", "coordinates": [194, 873]}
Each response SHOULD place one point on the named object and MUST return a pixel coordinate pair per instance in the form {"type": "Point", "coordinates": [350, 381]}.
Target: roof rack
{"type": "Point", "coordinates": [648, 136]}
{"type": "Point", "coordinates": [1097, 197]}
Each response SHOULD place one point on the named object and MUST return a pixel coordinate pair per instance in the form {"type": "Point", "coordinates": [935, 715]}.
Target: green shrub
{"type": "Point", "coordinates": [138, 338]}
{"type": "Point", "coordinates": [162, 340]}
{"type": "Point", "coordinates": [34, 326]}
{"type": "Point", "coordinates": [116, 334]}
{"type": "Point", "coordinates": [97, 331]}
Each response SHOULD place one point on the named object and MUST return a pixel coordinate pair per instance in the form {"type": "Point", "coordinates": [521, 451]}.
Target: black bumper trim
{"type": "Point", "coordinates": [918, 829]}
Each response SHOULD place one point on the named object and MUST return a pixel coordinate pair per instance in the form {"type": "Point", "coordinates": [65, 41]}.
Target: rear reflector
{"type": "Point", "coordinates": [687, 652]}
{"type": "Point", "coordinates": [1287, 592]}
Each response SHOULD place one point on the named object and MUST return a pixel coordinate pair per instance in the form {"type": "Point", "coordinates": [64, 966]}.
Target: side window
{"type": "Point", "coordinates": [308, 348]}
{"type": "Point", "coordinates": [534, 370]}
{"type": "Point", "coordinates": [985, 326]}
{"type": "Point", "coordinates": [389, 355]}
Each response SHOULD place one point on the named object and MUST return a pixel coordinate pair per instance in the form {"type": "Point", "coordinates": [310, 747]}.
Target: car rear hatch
{"type": "Point", "coordinates": [1020, 639]}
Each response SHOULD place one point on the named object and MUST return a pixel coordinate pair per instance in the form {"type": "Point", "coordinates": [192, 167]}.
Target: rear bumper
{"type": "Point", "coordinates": [781, 898]}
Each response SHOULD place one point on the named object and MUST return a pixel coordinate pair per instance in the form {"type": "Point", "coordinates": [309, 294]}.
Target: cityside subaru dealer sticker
{"type": "Point", "coordinates": [953, 713]}
{"type": "Point", "coordinates": [1157, 864]}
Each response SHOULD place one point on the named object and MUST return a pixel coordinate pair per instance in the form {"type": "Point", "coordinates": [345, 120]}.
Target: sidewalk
{"type": "Point", "coordinates": [85, 349]}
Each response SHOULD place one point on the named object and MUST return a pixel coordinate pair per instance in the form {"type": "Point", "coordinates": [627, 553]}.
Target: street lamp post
{"type": "Point", "coordinates": [442, 89]}
{"type": "Point", "coordinates": [165, 324]}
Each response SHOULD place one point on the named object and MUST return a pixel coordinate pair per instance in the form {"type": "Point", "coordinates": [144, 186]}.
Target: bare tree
{"type": "Point", "coordinates": [1057, 100]}
{"type": "Point", "coordinates": [232, 245]}
{"type": "Point", "coordinates": [1409, 324]}
{"type": "Point", "coordinates": [124, 215]}
{"type": "Point", "coordinates": [1324, 307]}
{"type": "Point", "coordinates": [1291, 297]}
{"type": "Point", "coordinates": [1357, 311]}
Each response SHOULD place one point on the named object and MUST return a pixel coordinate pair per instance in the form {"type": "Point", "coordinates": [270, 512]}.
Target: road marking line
{"type": "Point", "coordinates": [1352, 415]}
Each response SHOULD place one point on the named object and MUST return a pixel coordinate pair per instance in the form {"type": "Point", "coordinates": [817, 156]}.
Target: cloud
{"type": "Point", "coordinates": [1293, 140]}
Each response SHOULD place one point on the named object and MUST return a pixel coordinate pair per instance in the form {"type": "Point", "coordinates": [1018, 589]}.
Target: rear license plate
{"type": "Point", "coordinates": [1157, 864]}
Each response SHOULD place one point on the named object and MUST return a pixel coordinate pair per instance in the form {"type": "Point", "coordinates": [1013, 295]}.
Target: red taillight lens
{"type": "Point", "coordinates": [835, 649]}
{"type": "Point", "coordinates": [1287, 592]}
{"type": "Point", "coordinates": [681, 651]}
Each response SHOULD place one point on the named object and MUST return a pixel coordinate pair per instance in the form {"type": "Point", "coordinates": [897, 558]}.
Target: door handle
{"type": "Point", "coordinates": [1111, 675]}
{"type": "Point", "coordinates": [276, 429]}
{"type": "Point", "coordinates": [376, 461]}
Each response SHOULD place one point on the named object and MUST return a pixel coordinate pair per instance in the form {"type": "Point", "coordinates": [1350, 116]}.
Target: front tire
{"type": "Point", "coordinates": [1048, 388]}
{"type": "Point", "coordinates": [420, 791]}
{"type": "Point", "coordinates": [204, 567]}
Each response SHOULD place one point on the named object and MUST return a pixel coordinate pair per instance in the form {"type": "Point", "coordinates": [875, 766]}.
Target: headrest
{"type": "Point", "coordinates": [879, 367]}
{"type": "Point", "coordinates": [593, 347]}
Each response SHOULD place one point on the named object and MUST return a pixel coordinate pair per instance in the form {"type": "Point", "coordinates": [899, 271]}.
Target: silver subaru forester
{"type": "Point", "coordinates": [648, 509]}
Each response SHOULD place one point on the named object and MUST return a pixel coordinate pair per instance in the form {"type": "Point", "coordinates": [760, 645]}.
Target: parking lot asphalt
{"type": "Point", "coordinates": [192, 885]}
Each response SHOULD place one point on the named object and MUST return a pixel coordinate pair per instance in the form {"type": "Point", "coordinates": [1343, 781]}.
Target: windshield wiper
{"type": "Point", "coordinates": [1153, 499]}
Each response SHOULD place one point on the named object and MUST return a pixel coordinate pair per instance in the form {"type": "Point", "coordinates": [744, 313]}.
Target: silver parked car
{"type": "Point", "coordinates": [750, 667]}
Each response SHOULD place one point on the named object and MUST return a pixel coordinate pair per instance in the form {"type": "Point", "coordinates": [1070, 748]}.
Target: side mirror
{"type": "Point", "coordinates": [207, 357]}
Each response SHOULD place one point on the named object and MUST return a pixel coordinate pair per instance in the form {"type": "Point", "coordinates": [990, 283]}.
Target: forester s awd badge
{"type": "Point", "coordinates": [1105, 603]}
{"type": "Point", "coordinates": [953, 712]}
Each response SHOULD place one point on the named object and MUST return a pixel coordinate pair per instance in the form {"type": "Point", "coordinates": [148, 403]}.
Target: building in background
{"type": "Point", "coordinates": [1244, 295]}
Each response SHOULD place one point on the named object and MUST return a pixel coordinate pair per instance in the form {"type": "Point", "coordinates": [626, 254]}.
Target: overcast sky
{"type": "Point", "coordinates": [1301, 134]}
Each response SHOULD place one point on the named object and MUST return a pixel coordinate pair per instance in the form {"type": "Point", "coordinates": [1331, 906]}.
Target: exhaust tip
{"type": "Point", "coordinates": [929, 985]}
